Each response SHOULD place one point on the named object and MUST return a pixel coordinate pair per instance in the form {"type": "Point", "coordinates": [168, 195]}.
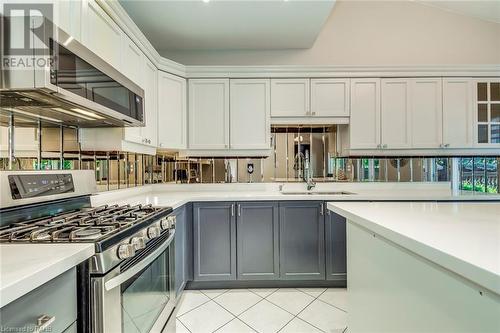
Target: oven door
{"type": "Point", "coordinates": [139, 295]}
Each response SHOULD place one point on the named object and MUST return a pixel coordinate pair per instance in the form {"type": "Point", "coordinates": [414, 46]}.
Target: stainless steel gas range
{"type": "Point", "coordinates": [128, 285]}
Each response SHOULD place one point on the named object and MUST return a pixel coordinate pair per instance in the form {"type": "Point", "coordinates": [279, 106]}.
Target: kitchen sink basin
{"type": "Point", "coordinates": [318, 193]}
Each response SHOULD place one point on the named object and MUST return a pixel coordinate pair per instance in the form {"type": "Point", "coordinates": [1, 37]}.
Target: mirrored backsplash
{"type": "Point", "coordinates": [59, 149]}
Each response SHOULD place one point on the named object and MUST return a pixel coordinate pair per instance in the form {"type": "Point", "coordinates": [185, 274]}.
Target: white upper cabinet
{"type": "Point", "coordinates": [395, 113]}
{"type": "Point", "coordinates": [365, 114]}
{"type": "Point", "coordinates": [290, 97]}
{"type": "Point", "coordinates": [209, 114]}
{"type": "Point", "coordinates": [133, 61]}
{"type": "Point", "coordinates": [101, 34]}
{"type": "Point", "coordinates": [250, 114]}
{"type": "Point", "coordinates": [70, 17]}
{"type": "Point", "coordinates": [134, 67]}
{"type": "Point", "coordinates": [486, 113]}
{"type": "Point", "coordinates": [330, 97]}
{"type": "Point", "coordinates": [172, 116]}
{"type": "Point", "coordinates": [149, 132]}
{"type": "Point", "coordinates": [426, 113]}
{"type": "Point", "coordinates": [457, 113]}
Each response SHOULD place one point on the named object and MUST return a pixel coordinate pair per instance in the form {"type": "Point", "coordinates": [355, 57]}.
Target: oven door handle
{"type": "Point", "coordinates": [121, 278]}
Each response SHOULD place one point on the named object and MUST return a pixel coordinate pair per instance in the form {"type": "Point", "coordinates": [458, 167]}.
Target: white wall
{"type": "Point", "coordinates": [377, 33]}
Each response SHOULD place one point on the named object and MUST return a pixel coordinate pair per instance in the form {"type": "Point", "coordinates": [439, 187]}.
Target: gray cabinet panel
{"type": "Point", "coordinates": [257, 241]}
{"type": "Point", "coordinates": [302, 245]}
{"type": "Point", "coordinates": [188, 260]}
{"type": "Point", "coordinates": [335, 236]}
{"type": "Point", "coordinates": [180, 249]}
{"type": "Point", "coordinates": [214, 231]}
{"type": "Point", "coordinates": [56, 298]}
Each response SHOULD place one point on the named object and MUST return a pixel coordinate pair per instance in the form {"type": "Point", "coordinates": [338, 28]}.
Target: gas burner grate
{"type": "Point", "coordinates": [86, 225]}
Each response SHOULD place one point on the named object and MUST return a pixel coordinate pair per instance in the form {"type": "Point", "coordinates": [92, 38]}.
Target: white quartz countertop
{"type": "Point", "coordinates": [24, 267]}
{"type": "Point", "coordinates": [176, 195]}
{"type": "Point", "coordinates": [463, 237]}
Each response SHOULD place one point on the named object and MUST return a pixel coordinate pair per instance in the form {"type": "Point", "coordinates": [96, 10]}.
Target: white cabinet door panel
{"type": "Point", "coordinates": [457, 112]}
{"type": "Point", "coordinates": [330, 97]}
{"type": "Point", "coordinates": [172, 122]}
{"type": "Point", "coordinates": [426, 113]}
{"type": "Point", "coordinates": [208, 114]}
{"type": "Point", "coordinates": [132, 62]}
{"type": "Point", "coordinates": [70, 17]}
{"type": "Point", "coordinates": [101, 34]}
{"type": "Point", "coordinates": [250, 114]}
{"type": "Point", "coordinates": [150, 82]}
{"type": "Point", "coordinates": [395, 113]}
{"type": "Point", "coordinates": [290, 97]}
{"type": "Point", "coordinates": [365, 114]}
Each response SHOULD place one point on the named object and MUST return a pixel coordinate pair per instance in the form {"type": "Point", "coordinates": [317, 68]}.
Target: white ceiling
{"type": "Point", "coordinates": [229, 25]}
{"type": "Point", "coordinates": [484, 9]}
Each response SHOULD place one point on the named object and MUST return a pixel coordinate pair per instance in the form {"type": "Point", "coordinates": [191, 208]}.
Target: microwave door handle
{"type": "Point", "coordinates": [121, 278]}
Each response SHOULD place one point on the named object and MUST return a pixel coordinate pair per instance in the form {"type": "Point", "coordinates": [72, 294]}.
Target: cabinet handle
{"type": "Point", "coordinates": [43, 322]}
{"type": "Point", "coordinates": [321, 209]}
{"type": "Point", "coordinates": [239, 210]}
{"type": "Point", "coordinates": [313, 113]}
{"type": "Point", "coordinates": [384, 146]}
{"type": "Point", "coordinates": [232, 209]}
{"type": "Point", "coordinates": [379, 146]}
{"type": "Point", "coordinates": [447, 145]}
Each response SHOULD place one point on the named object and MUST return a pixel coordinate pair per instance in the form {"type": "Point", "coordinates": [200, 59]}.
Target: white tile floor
{"type": "Point", "coordinates": [287, 310]}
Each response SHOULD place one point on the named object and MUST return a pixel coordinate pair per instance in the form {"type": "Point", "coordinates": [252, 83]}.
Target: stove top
{"type": "Point", "coordinates": [85, 225]}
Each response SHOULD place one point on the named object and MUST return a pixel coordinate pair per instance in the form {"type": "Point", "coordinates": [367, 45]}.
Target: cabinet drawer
{"type": "Point", "coordinates": [56, 298]}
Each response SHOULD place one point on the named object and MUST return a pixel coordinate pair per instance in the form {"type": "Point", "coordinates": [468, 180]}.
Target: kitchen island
{"type": "Point", "coordinates": [422, 266]}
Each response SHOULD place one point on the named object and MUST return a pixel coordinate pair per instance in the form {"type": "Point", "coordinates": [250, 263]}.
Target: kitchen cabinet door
{"type": "Point", "coordinates": [101, 34]}
{"type": "Point", "coordinates": [290, 98]}
{"type": "Point", "coordinates": [214, 238]}
{"type": "Point", "coordinates": [180, 249]}
{"type": "Point", "coordinates": [395, 113]}
{"type": "Point", "coordinates": [146, 135]}
{"type": "Point", "coordinates": [208, 114]}
{"type": "Point", "coordinates": [257, 241]}
{"type": "Point", "coordinates": [250, 126]}
{"type": "Point", "coordinates": [335, 245]}
{"type": "Point", "coordinates": [149, 132]}
{"type": "Point", "coordinates": [132, 62]}
{"type": "Point", "coordinates": [172, 115]}
{"type": "Point", "coordinates": [364, 126]}
{"type": "Point", "coordinates": [330, 97]}
{"type": "Point", "coordinates": [426, 113]}
{"type": "Point", "coordinates": [302, 240]}
{"type": "Point", "coordinates": [457, 112]}
{"type": "Point", "coordinates": [70, 17]}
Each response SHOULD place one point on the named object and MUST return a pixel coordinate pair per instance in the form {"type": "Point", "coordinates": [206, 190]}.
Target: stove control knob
{"type": "Point", "coordinates": [138, 242]}
{"type": "Point", "coordinates": [125, 251]}
{"type": "Point", "coordinates": [153, 232]}
{"type": "Point", "coordinates": [173, 220]}
{"type": "Point", "coordinates": [168, 222]}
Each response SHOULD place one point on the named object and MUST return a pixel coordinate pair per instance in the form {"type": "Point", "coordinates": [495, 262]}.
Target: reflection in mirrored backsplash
{"type": "Point", "coordinates": [55, 147]}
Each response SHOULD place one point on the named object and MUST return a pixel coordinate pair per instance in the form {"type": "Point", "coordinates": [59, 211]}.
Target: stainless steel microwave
{"type": "Point", "coordinates": [65, 82]}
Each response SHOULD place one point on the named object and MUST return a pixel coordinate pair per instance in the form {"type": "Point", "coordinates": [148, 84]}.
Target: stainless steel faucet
{"type": "Point", "coordinates": [310, 184]}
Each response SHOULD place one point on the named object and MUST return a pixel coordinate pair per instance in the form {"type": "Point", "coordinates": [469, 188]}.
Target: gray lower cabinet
{"type": "Point", "coordinates": [56, 300]}
{"type": "Point", "coordinates": [335, 237]}
{"type": "Point", "coordinates": [214, 238]}
{"type": "Point", "coordinates": [257, 240]}
{"type": "Point", "coordinates": [302, 240]}
{"type": "Point", "coordinates": [181, 254]}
